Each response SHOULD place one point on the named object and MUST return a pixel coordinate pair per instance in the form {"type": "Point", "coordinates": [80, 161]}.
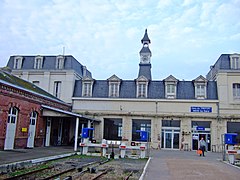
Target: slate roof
{"type": "Point", "coordinates": [156, 89]}
{"type": "Point", "coordinates": [12, 80]}
{"type": "Point", "coordinates": [70, 63]}
{"type": "Point", "coordinates": [145, 50]}
{"type": "Point", "coordinates": [145, 70]}
{"type": "Point", "coordinates": [223, 63]}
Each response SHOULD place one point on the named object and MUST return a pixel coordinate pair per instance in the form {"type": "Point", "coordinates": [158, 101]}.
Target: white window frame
{"type": "Point", "coordinates": [12, 116]}
{"type": "Point", "coordinates": [33, 118]}
{"type": "Point", "coordinates": [235, 61]}
{"type": "Point", "coordinates": [171, 90]}
{"type": "Point", "coordinates": [59, 62]}
{"type": "Point", "coordinates": [17, 62]}
{"type": "Point", "coordinates": [142, 90]}
{"type": "Point", "coordinates": [38, 62]}
{"type": "Point", "coordinates": [87, 89]}
{"type": "Point", "coordinates": [113, 89]}
{"type": "Point", "coordinates": [57, 89]}
{"type": "Point", "coordinates": [200, 90]}
{"type": "Point", "coordinates": [236, 91]}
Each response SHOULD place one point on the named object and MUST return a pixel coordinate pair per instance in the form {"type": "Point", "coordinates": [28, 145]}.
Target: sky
{"type": "Point", "coordinates": [187, 36]}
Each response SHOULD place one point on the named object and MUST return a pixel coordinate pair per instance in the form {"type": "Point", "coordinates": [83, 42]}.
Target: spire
{"type": "Point", "coordinates": [145, 58]}
{"type": "Point", "coordinates": [145, 39]}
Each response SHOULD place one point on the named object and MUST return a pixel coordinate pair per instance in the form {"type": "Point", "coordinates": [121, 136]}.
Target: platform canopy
{"type": "Point", "coordinates": [55, 112]}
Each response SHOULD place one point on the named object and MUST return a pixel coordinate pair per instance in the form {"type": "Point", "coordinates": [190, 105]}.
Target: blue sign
{"type": "Point", "coordinates": [199, 128]}
{"type": "Point", "coordinates": [201, 109]}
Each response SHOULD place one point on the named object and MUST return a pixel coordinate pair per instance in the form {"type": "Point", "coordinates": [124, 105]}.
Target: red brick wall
{"type": "Point", "coordinates": [10, 97]}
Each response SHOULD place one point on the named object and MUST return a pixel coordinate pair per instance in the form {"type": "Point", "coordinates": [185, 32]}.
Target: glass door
{"type": "Point", "coordinates": [170, 139]}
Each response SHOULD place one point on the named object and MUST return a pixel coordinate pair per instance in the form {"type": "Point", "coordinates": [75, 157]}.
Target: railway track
{"type": "Point", "coordinates": [79, 168]}
{"type": "Point", "coordinates": [62, 170]}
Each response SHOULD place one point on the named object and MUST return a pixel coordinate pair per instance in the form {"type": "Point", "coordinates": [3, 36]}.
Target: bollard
{"type": "Point", "coordinates": [122, 150]}
{"type": "Point", "coordinates": [142, 150]}
{"type": "Point", "coordinates": [104, 147]}
{"type": "Point", "coordinates": [84, 146]}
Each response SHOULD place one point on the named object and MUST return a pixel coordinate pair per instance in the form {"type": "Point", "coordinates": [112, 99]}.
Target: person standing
{"type": "Point", "coordinates": [203, 145]}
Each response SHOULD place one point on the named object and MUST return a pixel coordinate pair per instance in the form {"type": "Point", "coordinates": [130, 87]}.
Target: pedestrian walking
{"type": "Point", "coordinates": [202, 146]}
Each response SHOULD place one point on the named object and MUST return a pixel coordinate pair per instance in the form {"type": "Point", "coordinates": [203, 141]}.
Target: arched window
{"type": "Point", "coordinates": [12, 115]}
{"type": "Point", "coordinates": [33, 118]}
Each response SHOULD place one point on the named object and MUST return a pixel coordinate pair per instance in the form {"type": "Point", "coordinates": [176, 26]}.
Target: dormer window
{"type": "Point", "coordinates": [235, 61]}
{"type": "Point", "coordinates": [200, 84]}
{"type": "Point", "coordinates": [171, 91]}
{"type": "Point", "coordinates": [38, 62]}
{"type": "Point", "coordinates": [17, 63]}
{"type": "Point", "coordinates": [114, 85]}
{"type": "Point", "coordinates": [59, 62]}
{"type": "Point", "coordinates": [142, 87]}
{"type": "Point", "coordinates": [170, 87]}
{"type": "Point", "coordinates": [87, 84]}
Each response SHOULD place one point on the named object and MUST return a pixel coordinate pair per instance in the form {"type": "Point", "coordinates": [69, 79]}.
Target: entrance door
{"type": "Point", "coordinates": [11, 128]}
{"type": "Point", "coordinates": [32, 130]}
{"type": "Point", "coordinates": [170, 138]}
{"type": "Point", "coordinates": [196, 137]}
{"type": "Point", "coordinates": [48, 132]}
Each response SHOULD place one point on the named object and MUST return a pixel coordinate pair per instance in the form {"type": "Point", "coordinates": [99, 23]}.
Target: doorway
{"type": "Point", "coordinates": [196, 137]}
{"type": "Point", "coordinates": [170, 138]}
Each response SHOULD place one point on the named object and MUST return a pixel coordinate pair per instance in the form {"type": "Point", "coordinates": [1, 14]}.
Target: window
{"type": "Point", "coordinates": [114, 92]}
{"type": "Point", "coordinates": [17, 63]}
{"type": "Point", "coordinates": [59, 62]}
{"type": "Point", "coordinates": [87, 84]}
{"type": "Point", "coordinates": [57, 89]}
{"type": "Point", "coordinates": [142, 90]}
{"type": "Point", "coordinates": [142, 87]}
{"type": "Point", "coordinates": [171, 91]}
{"type": "Point", "coordinates": [112, 129]}
{"type": "Point", "coordinates": [235, 61]}
{"type": "Point", "coordinates": [38, 63]}
{"type": "Point", "coordinates": [142, 125]}
{"type": "Point", "coordinates": [236, 91]}
{"type": "Point", "coordinates": [200, 84]}
{"type": "Point", "coordinates": [170, 87]}
{"type": "Point", "coordinates": [12, 115]}
{"type": "Point", "coordinates": [87, 89]}
{"type": "Point", "coordinates": [114, 85]}
{"type": "Point", "coordinates": [200, 91]}
{"type": "Point", "coordinates": [33, 118]}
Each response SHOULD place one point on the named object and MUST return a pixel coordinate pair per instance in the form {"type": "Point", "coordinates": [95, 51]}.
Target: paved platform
{"type": "Point", "coordinates": [187, 165]}
{"type": "Point", "coordinates": [17, 155]}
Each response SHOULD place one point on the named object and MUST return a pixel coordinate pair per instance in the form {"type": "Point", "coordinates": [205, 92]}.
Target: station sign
{"type": "Point", "coordinates": [201, 109]}
{"type": "Point", "coordinates": [200, 128]}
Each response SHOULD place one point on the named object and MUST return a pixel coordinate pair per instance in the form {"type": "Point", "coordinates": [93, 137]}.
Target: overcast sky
{"type": "Point", "coordinates": [187, 36]}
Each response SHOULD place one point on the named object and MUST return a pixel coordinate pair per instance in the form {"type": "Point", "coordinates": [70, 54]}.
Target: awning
{"type": "Point", "coordinates": [55, 112]}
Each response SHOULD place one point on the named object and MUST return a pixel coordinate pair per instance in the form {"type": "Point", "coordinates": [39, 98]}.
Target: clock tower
{"type": "Point", "coordinates": [145, 58]}
{"type": "Point", "coordinates": [145, 53]}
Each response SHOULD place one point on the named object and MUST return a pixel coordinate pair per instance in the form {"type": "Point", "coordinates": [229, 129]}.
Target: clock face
{"type": "Point", "coordinates": [144, 58]}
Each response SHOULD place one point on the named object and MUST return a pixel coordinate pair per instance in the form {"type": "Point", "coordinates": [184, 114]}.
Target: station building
{"type": "Point", "coordinates": [31, 117]}
{"type": "Point", "coordinates": [174, 113]}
